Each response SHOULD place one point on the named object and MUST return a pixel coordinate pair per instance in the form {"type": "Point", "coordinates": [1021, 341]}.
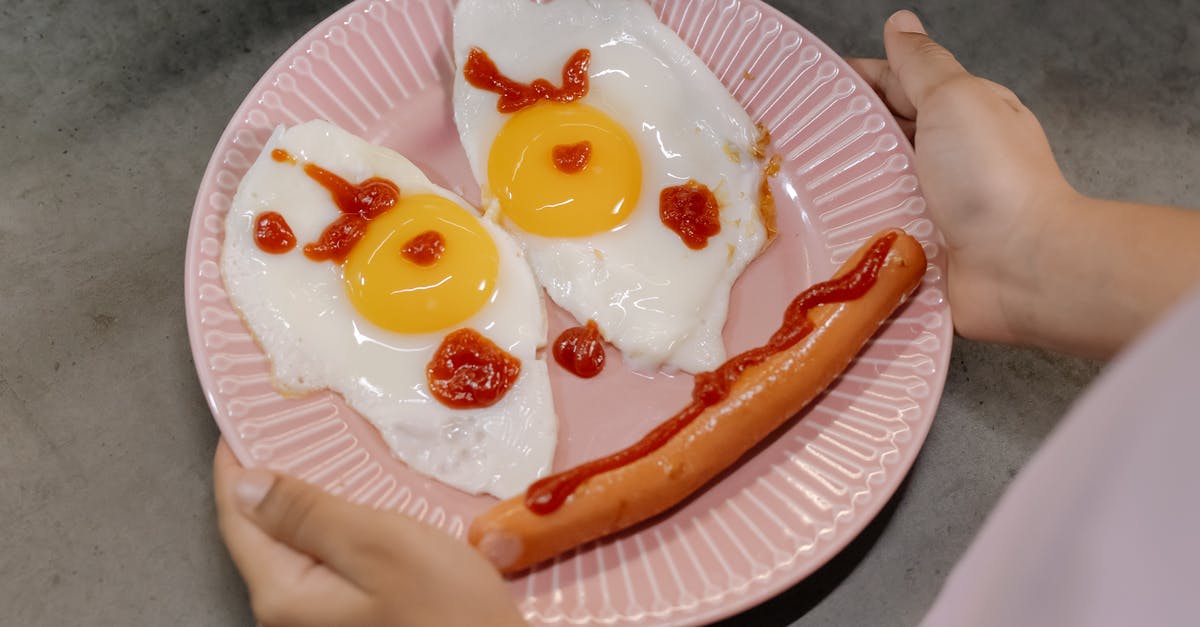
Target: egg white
{"type": "Point", "coordinates": [659, 302]}
{"type": "Point", "coordinates": [301, 316]}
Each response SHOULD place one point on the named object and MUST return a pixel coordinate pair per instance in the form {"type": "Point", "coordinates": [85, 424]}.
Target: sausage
{"type": "Point", "coordinates": [762, 398]}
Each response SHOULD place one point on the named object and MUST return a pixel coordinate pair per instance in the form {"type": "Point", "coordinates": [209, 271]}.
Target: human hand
{"type": "Point", "coordinates": [310, 558]}
{"type": "Point", "coordinates": [986, 170]}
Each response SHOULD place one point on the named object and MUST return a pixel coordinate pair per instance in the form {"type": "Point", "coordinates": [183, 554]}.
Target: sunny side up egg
{"type": "Point", "coordinates": [628, 132]}
{"type": "Point", "coordinates": [372, 323]}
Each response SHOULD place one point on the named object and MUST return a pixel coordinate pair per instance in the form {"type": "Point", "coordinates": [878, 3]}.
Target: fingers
{"type": "Point", "coordinates": [311, 521]}
{"type": "Point", "coordinates": [878, 74]}
{"type": "Point", "coordinates": [287, 587]}
{"type": "Point", "coordinates": [311, 559]}
{"type": "Point", "coordinates": [918, 62]}
{"type": "Point", "coordinates": [259, 557]}
{"type": "Point", "coordinates": [916, 65]}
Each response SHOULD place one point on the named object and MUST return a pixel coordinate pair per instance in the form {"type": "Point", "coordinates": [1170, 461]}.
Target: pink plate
{"type": "Point", "coordinates": [382, 69]}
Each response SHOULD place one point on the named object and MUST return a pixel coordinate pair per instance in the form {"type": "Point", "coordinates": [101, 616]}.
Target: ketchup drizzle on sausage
{"type": "Point", "coordinates": [580, 351]}
{"type": "Point", "coordinates": [481, 72]}
{"type": "Point", "coordinates": [548, 494]}
{"type": "Point", "coordinates": [691, 210]}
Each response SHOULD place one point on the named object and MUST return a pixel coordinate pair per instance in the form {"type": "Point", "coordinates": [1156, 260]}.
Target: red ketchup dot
{"type": "Point", "coordinates": [272, 233]}
{"type": "Point", "coordinates": [424, 249]}
{"type": "Point", "coordinates": [691, 210]}
{"type": "Point", "coordinates": [572, 158]}
{"type": "Point", "coordinates": [580, 351]}
{"type": "Point", "coordinates": [469, 371]}
{"type": "Point", "coordinates": [282, 156]}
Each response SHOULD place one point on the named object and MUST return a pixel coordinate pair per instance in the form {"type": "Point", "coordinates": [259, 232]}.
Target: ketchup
{"type": "Point", "coordinates": [572, 158]}
{"type": "Point", "coordinates": [368, 199]}
{"type": "Point", "coordinates": [469, 371]}
{"type": "Point", "coordinates": [337, 239]}
{"type": "Point", "coordinates": [273, 234]}
{"type": "Point", "coordinates": [579, 350]}
{"type": "Point", "coordinates": [481, 72]}
{"type": "Point", "coordinates": [691, 210]}
{"type": "Point", "coordinates": [358, 204]}
{"type": "Point", "coordinates": [548, 494]}
{"type": "Point", "coordinates": [424, 249]}
{"type": "Point", "coordinates": [282, 156]}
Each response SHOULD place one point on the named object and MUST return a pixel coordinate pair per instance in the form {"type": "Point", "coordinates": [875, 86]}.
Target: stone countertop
{"type": "Point", "coordinates": [108, 114]}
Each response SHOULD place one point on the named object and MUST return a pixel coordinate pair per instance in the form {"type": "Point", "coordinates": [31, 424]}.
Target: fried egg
{"type": "Point", "coordinates": [653, 118]}
{"type": "Point", "coordinates": [368, 327]}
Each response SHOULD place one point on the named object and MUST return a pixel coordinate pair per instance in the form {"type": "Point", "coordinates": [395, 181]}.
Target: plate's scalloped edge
{"type": "Point", "coordinates": [857, 445]}
{"type": "Point", "coordinates": [214, 174]}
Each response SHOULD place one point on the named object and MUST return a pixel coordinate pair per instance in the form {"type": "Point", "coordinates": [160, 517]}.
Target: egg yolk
{"type": "Point", "coordinates": [398, 294]}
{"type": "Point", "coordinates": [543, 199]}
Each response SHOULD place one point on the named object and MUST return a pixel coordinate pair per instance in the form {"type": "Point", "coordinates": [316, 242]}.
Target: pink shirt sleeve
{"type": "Point", "coordinates": [1102, 527]}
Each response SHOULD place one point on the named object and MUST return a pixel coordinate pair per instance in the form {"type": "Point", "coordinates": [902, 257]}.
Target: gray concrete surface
{"type": "Point", "coordinates": [108, 114]}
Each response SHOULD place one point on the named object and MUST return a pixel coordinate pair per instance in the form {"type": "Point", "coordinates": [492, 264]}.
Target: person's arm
{"type": "Point", "coordinates": [1032, 261]}
{"type": "Point", "coordinates": [1102, 273]}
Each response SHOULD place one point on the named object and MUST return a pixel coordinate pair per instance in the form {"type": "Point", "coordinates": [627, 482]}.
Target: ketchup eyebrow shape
{"type": "Point", "coordinates": [481, 72]}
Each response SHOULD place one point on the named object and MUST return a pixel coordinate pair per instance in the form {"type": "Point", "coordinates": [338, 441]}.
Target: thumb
{"type": "Point", "coordinates": [920, 64]}
{"type": "Point", "coordinates": [309, 520]}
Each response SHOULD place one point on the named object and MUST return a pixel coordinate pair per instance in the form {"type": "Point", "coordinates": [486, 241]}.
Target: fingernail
{"type": "Point", "coordinates": [252, 487]}
{"type": "Point", "coordinates": [907, 22]}
{"type": "Point", "coordinates": [501, 549]}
